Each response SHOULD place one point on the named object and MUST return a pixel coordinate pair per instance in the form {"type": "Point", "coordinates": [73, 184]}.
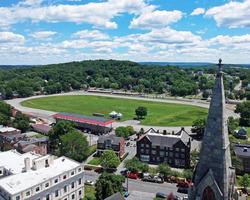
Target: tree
{"type": "Point", "coordinates": [21, 122]}
{"type": "Point", "coordinates": [135, 165]}
{"type": "Point", "coordinates": [187, 174]}
{"type": "Point", "coordinates": [61, 128]}
{"type": "Point", "coordinates": [108, 184]}
{"type": "Point", "coordinates": [194, 158]}
{"type": "Point", "coordinates": [245, 182]}
{"type": "Point", "coordinates": [4, 119]}
{"type": "Point", "coordinates": [244, 110]}
{"type": "Point", "coordinates": [232, 124]}
{"type": "Point", "coordinates": [109, 160]}
{"type": "Point", "coordinates": [164, 169]}
{"type": "Point", "coordinates": [74, 145]}
{"type": "Point", "coordinates": [124, 132]}
{"type": "Point", "coordinates": [198, 127]}
{"type": "Point", "coordinates": [141, 112]}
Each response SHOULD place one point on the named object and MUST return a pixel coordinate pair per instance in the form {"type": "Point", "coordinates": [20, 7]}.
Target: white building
{"type": "Point", "coordinates": [31, 176]}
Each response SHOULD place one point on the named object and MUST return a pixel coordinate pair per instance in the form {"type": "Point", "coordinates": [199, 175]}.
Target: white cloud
{"type": "Point", "coordinates": [40, 35]}
{"type": "Point", "coordinates": [9, 37]}
{"type": "Point", "coordinates": [94, 34]}
{"type": "Point", "coordinates": [99, 14]}
{"type": "Point", "coordinates": [232, 14]}
{"type": "Point", "coordinates": [198, 11]}
{"type": "Point", "coordinates": [156, 19]}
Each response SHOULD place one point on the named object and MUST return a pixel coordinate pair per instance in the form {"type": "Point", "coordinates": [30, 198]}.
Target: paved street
{"type": "Point", "coordinates": [141, 190]}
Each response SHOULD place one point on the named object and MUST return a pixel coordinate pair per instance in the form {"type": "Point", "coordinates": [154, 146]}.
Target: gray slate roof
{"type": "Point", "coordinates": [242, 150]}
{"type": "Point", "coordinates": [116, 196]}
{"type": "Point", "coordinates": [167, 140]}
{"type": "Point", "coordinates": [114, 139]}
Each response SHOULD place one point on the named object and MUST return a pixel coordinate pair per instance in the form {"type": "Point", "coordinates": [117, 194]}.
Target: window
{"type": "Point", "coordinates": [79, 181]}
{"type": "Point", "coordinates": [182, 155]}
{"type": "Point", "coordinates": [142, 145]}
{"type": "Point", "coordinates": [147, 151]}
{"type": "Point", "coordinates": [80, 192]}
{"type": "Point", "coordinates": [144, 158]}
{"type": "Point", "coordinates": [72, 185]}
{"type": "Point", "coordinates": [147, 145]}
{"type": "Point", "coordinates": [73, 196]}
{"type": "Point", "coordinates": [79, 169]}
{"type": "Point", "coordinates": [17, 197]}
{"type": "Point", "coordinates": [170, 154]}
{"type": "Point", "coordinates": [153, 152]}
{"type": "Point", "coordinates": [56, 180]}
{"type": "Point", "coordinates": [162, 153]}
{"type": "Point", "coordinates": [177, 149]}
{"type": "Point", "coordinates": [37, 189]}
{"type": "Point", "coordinates": [162, 148]}
{"type": "Point", "coordinates": [56, 193]}
{"type": "Point", "coordinates": [65, 189]}
{"type": "Point", "coordinates": [27, 193]}
{"type": "Point", "coordinates": [72, 173]}
{"type": "Point", "coordinates": [182, 150]}
{"type": "Point", "coordinates": [47, 197]}
{"type": "Point", "coordinates": [170, 149]}
{"type": "Point", "coordinates": [46, 185]}
{"type": "Point", "coordinates": [153, 147]}
{"type": "Point", "coordinates": [64, 176]}
{"type": "Point", "coordinates": [142, 150]}
{"type": "Point", "coordinates": [177, 155]}
{"type": "Point", "coordinates": [1, 172]}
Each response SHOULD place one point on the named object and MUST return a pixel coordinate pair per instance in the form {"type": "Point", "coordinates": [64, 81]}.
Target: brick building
{"type": "Point", "coordinates": [153, 147]}
{"type": "Point", "coordinates": [117, 144]}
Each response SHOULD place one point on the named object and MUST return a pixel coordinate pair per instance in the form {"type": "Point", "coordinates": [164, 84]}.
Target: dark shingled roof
{"type": "Point", "coordinates": [116, 196]}
{"type": "Point", "coordinates": [158, 139]}
{"type": "Point", "coordinates": [114, 139]}
{"type": "Point", "coordinates": [242, 150]}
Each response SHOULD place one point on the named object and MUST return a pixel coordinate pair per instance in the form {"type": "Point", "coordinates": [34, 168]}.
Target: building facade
{"type": "Point", "coordinates": [117, 144]}
{"type": "Point", "coordinates": [214, 176]}
{"type": "Point", "coordinates": [242, 151]}
{"type": "Point", "coordinates": [34, 177]}
{"type": "Point", "coordinates": [155, 148]}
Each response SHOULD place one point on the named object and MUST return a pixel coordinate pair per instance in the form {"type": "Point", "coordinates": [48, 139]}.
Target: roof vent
{"type": "Point", "coordinates": [245, 149]}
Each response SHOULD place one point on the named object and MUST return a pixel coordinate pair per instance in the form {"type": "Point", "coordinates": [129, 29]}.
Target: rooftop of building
{"type": "Point", "coordinates": [242, 150]}
{"type": "Point", "coordinates": [14, 161]}
{"type": "Point", "coordinates": [7, 129]}
{"type": "Point", "coordinates": [167, 140]}
{"type": "Point", "coordinates": [116, 196]}
{"type": "Point", "coordinates": [42, 127]}
{"type": "Point", "coordinates": [83, 118]}
{"type": "Point", "coordinates": [114, 139]}
{"type": "Point", "coordinates": [17, 183]}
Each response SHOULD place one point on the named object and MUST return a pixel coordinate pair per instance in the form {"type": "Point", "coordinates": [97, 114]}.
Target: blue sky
{"type": "Point", "coordinates": [54, 31]}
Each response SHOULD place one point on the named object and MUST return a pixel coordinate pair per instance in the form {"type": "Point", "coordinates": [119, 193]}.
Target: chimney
{"type": "Point", "coordinates": [26, 164]}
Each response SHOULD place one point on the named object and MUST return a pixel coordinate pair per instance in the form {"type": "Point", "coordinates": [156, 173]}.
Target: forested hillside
{"type": "Point", "coordinates": [50, 79]}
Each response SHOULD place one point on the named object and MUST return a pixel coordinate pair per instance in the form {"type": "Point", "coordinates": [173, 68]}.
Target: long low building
{"type": "Point", "coordinates": [31, 176]}
{"type": "Point", "coordinates": [97, 125]}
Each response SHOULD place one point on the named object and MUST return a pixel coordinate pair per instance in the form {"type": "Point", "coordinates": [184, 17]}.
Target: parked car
{"type": "Point", "coordinates": [160, 195]}
{"type": "Point", "coordinates": [88, 182]}
{"type": "Point", "coordinates": [126, 194]}
{"type": "Point", "coordinates": [132, 175]}
{"type": "Point", "coordinates": [154, 179]}
{"type": "Point", "coordinates": [183, 190]}
{"type": "Point", "coordinates": [124, 172]}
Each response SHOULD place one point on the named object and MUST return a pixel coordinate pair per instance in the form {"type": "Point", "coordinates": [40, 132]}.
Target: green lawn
{"type": "Point", "coordinates": [95, 161]}
{"type": "Point", "coordinates": [161, 114]}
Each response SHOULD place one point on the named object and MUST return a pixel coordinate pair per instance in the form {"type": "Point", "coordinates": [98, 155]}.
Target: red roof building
{"type": "Point", "coordinates": [98, 125]}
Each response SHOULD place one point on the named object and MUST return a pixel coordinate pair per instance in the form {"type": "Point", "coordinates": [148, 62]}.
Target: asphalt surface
{"type": "Point", "coordinates": [140, 190]}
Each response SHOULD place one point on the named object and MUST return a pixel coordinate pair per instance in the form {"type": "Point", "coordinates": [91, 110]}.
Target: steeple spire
{"type": "Point", "coordinates": [213, 175]}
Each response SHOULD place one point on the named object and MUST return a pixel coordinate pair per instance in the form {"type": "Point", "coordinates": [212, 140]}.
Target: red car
{"type": "Point", "coordinates": [132, 175]}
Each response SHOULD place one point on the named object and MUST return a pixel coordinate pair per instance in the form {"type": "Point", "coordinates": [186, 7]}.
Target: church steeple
{"type": "Point", "coordinates": [214, 175]}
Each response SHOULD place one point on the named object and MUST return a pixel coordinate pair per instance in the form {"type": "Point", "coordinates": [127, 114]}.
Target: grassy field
{"type": "Point", "coordinates": [159, 114]}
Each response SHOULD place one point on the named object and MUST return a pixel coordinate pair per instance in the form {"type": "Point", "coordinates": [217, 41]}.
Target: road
{"type": "Point", "coordinates": [140, 190]}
